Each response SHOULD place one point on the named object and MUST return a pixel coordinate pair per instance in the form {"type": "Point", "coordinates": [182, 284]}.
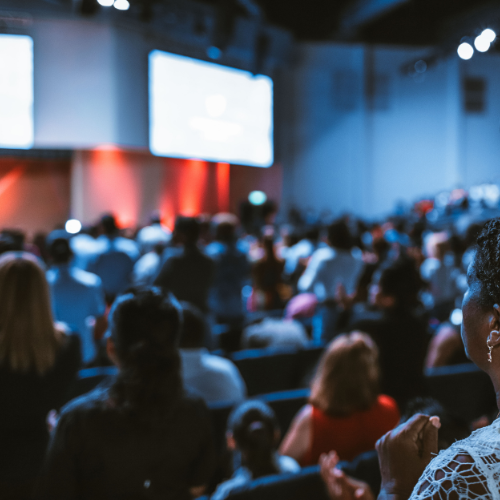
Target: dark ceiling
{"type": "Point", "coordinates": [413, 22]}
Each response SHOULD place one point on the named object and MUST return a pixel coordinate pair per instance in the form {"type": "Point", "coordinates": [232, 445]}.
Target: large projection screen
{"type": "Point", "coordinates": [16, 92]}
{"type": "Point", "coordinates": [210, 112]}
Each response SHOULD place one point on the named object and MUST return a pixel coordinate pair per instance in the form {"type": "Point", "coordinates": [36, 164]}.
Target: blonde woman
{"type": "Point", "coordinates": [346, 412]}
{"type": "Point", "coordinates": [38, 365]}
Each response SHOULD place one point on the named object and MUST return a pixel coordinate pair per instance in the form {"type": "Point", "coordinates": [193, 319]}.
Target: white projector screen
{"type": "Point", "coordinates": [16, 92]}
{"type": "Point", "coordinates": [209, 112]}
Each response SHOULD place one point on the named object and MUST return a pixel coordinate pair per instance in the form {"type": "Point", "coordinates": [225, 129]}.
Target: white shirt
{"type": "Point", "coordinates": [328, 268]}
{"type": "Point", "coordinates": [213, 377]}
{"type": "Point", "coordinates": [274, 332]}
{"type": "Point", "coordinates": [152, 235]}
{"type": "Point", "coordinates": [77, 299]}
{"type": "Point", "coordinates": [146, 269]}
{"type": "Point", "coordinates": [301, 250]}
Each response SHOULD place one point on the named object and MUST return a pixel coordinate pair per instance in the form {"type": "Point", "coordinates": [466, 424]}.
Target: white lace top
{"type": "Point", "coordinates": [469, 469]}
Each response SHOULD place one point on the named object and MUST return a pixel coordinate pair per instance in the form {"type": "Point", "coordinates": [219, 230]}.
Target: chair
{"type": "Point", "coordinates": [267, 370]}
{"type": "Point", "coordinates": [286, 405]}
{"type": "Point", "coordinates": [464, 390]}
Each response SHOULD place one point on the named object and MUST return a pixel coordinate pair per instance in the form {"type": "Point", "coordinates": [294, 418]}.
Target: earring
{"type": "Point", "coordinates": [490, 347]}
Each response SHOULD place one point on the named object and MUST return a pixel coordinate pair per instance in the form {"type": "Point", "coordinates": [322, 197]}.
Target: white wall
{"type": "Point", "coordinates": [415, 141]}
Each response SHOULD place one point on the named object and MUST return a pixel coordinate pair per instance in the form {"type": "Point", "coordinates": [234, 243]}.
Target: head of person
{"type": "Point", "coordinates": [108, 225]}
{"type": "Point", "coordinates": [187, 230]}
{"type": "Point", "coordinates": [224, 227]}
{"type": "Point", "coordinates": [60, 251]}
{"type": "Point", "coordinates": [312, 234]}
{"type": "Point", "coordinates": [339, 236]}
{"type": "Point", "coordinates": [155, 217]}
{"type": "Point", "coordinates": [397, 286]}
{"type": "Point", "coordinates": [347, 378]}
{"type": "Point", "coordinates": [193, 327]}
{"type": "Point", "coordinates": [143, 342]}
{"type": "Point", "coordinates": [28, 338]}
{"type": "Point", "coordinates": [481, 302]}
{"type": "Point", "coordinates": [253, 430]}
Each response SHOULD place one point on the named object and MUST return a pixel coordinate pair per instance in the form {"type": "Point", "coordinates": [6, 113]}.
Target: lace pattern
{"type": "Point", "coordinates": [469, 469]}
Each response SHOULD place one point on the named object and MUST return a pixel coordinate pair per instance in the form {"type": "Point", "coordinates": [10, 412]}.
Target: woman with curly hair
{"type": "Point", "coordinates": [470, 468]}
{"type": "Point", "coordinates": [139, 436]}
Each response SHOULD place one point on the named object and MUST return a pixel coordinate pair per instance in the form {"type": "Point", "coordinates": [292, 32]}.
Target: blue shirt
{"type": "Point", "coordinates": [231, 270]}
{"type": "Point", "coordinates": [114, 263]}
{"type": "Point", "coordinates": [77, 298]}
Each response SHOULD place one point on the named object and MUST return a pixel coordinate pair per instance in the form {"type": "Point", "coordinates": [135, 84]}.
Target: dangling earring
{"type": "Point", "coordinates": [490, 347]}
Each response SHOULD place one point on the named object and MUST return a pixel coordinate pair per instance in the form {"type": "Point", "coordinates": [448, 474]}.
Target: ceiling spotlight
{"type": "Point", "coordinates": [489, 35]}
{"type": "Point", "coordinates": [121, 4]}
{"type": "Point", "coordinates": [105, 3]}
{"type": "Point", "coordinates": [481, 43]}
{"type": "Point", "coordinates": [465, 51]}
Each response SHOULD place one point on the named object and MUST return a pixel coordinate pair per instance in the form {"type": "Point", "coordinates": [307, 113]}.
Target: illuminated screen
{"type": "Point", "coordinates": [16, 91]}
{"type": "Point", "coordinates": [210, 112]}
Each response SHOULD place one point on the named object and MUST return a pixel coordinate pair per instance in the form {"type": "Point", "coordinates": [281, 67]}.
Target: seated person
{"type": "Point", "coordinates": [446, 347]}
{"type": "Point", "coordinates": [141, 435]}
{"type": "Point", "coordinates": [213, 377]}
{"type": "Point", "coordinates": [274, 332]}
{"type": "Point", "coordinates": [346, 412]}
{"type": "Point", "coordinates": [253, 434]}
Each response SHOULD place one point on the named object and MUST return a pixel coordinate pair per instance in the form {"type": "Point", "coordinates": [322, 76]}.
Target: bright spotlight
{"type": "Point", "coordinates": [465, 51]}
{"type": "Point", "coordinates": [121, 4]}
{"type": "Point", "coordinates": [456, 317]}
{"type": "Point", "coordinates": [105, 3]}
{"type": "Point", "coordinates": [489, 34]}
{"type": "Point", "coordinates": [481, 43]}
{"type": "Point", "coordinates": [257, 197]}
{"type": "Point", "coordinates": [73, 226]}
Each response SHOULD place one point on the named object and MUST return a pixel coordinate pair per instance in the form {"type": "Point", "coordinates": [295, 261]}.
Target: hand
{"type": "Point", "coordinates": [405, 452]}
{"type": "Point", "coordinates": [340, 486]}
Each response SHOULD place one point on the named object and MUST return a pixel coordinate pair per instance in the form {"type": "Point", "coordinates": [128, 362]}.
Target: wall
{"type": "Point", "coordinates": [34, 194]}
{"type": "Point", "coordinates": [133, 184]}
{"type": "Point", "coordinates": [364, 136]}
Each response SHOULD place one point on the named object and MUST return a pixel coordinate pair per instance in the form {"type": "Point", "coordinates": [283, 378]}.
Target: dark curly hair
{"type": "Point", "coordinates": [486, 264]}
{"type": "Point", "coordinates": [145, 328]}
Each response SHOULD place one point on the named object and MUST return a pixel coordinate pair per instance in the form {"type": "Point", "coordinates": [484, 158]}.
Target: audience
{"type": "Point", "coordinates": [346, 412]}
{"type": "Point", "coordinates": [38, 365]}
{"type": "Point", "coordinates": [214, 378]}
{"type": "Point", "coordinates": [186, 271]}
{"type": "Point", "coordinates": [253, 434]}
{"type": "Point", "coordinates": [140, 435]}
{"type": "Point", "coordinates": [146, 432]}
{"type": "Point", "coordinates": [77, 298]}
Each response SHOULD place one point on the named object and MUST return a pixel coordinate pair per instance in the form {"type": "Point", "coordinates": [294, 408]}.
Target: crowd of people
{"type": "Point", "coordinates": [165, 307]}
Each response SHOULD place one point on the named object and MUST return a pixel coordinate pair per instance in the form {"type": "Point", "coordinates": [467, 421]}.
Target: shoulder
{"type": "Point", "coordinates": [220, 364]}
{"type": "Point", "coordinates": [85, 278]}
{"type": "Point", "coordinates": [83, 404]}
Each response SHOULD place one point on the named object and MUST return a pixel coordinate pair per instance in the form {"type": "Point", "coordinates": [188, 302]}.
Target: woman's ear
{"type": "Point", "coordinates": [494, 336]}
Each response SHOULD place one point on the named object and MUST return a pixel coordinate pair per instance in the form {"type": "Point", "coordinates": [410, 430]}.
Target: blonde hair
{"type": "Point", "coordinates": [347, 378]}
{"type": "Point", "coordinates": [28, 337]}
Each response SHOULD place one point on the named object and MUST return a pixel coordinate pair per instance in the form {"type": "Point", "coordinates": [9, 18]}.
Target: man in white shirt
{"type": "Point", "coordinates": [214, 378]}
{"type": "Point", "coordinates": [331, 266]}
{"type": "Point", "coordinates": [337, 264]}
{"type": "Point", "coordinates": [77, 298]}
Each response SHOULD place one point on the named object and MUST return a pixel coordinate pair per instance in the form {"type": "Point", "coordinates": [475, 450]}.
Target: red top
{"type": "Point", "coordinates": [352, 435]}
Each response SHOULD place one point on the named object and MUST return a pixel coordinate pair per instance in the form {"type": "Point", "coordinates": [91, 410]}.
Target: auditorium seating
{"type": "Point", "coordinates": [464, 390]}
{"type": "Point", "coordinates": [276, 369]}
